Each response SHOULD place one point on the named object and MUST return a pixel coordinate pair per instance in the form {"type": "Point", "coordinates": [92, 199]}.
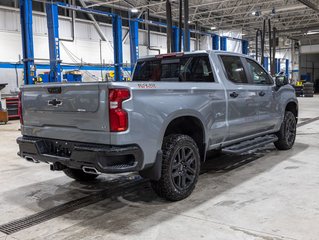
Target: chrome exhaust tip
{"type": "Point", "coordinates": [90, 170]}
{"type": "Point", "coordinates": [31, 159]}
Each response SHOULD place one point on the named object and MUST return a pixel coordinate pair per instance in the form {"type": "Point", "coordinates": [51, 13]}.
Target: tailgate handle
{"type": "Point", "coordinates": [55, 90]}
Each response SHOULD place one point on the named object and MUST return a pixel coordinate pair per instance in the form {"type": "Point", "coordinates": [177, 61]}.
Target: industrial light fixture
{"type": "Point", "coordinates": [134, 10]}
{"type": "Point", "coordinates": [212, 28]}
{"type": "Point", "coordinates": [189, 21]}
{"type": "Point", "coordinates": [256, 13]}
{"type": "Point", "coordinates": [312, 32]}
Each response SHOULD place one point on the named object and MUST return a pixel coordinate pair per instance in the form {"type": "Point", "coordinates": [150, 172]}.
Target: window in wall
{"type": "Point", "coordinates": [234, 69]}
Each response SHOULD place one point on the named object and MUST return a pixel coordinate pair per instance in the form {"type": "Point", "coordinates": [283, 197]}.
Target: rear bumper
{"type": "Point", "coordinates": [104, 158]}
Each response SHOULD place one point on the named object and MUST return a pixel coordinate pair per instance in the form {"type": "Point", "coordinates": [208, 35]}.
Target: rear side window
{"type": "Point", "coordinates": [175, 69]}
{"type": "Point", "coordinates": [234, 69]}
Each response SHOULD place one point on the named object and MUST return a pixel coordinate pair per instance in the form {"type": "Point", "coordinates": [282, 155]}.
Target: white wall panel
{"type": "Point", "coordinates": [205, 43]}
{"type": "Point", "coordinates": [39, 25]}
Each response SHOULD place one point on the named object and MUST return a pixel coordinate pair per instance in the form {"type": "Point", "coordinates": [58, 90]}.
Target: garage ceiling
{"type": "Point", "coordinates": [294, 18]}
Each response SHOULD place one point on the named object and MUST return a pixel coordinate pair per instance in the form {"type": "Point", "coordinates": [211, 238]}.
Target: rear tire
{"type": "Point", "coordinates": [79, 175]}
{"type": "Point", "coordinates": [287, 133]}
{"type": "Point", "coordinates": [180, 168]}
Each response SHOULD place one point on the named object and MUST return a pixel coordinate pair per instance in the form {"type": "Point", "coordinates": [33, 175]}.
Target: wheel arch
{"type": "Point", "coordinates": [189, 125]}
{"type": "Point", "coordinates": [292, 106]}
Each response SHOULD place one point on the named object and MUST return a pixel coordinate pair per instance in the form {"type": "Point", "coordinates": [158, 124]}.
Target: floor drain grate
{"type": "Point", "coordinates": [307, 121]}
{"type": "Point", "coordinates": [43, 216]}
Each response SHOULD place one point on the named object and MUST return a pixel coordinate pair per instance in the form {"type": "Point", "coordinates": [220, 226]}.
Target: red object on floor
{"type": "Point", "coordinates": [12, 107]}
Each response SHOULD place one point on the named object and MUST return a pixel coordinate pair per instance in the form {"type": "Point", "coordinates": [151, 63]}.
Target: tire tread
{"type": "Point", "coordinates": [163, 187]}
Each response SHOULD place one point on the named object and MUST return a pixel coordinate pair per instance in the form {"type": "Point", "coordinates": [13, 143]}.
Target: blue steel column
{"type": "Point", "coordinates": [215, 39]}
{"type": "Point", "coordinates": [27, 41]}
{"type": "Point", "coordinates": [54, 47]}
{"type": "Point", "coordinates": [266, 64]}
{"type": "Point", "coordinates": [244, 46]}
{"type": "Point", "coordinates": [117, 44]}
{"type": "Point", "coordinates": [223, 43]}
{"type": "Point", "coordinates": [134, 50]}
{"type": "Point", "coordinates": [287, 68]}
{"type": "Point", "coordinates": [277, 65]}
{"type": "Point", "coordinates": [175, 39]}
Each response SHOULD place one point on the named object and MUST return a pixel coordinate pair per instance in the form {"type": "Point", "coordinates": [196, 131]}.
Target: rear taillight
{"type": "Point", "coordinates": [20, 108]}
{"type": "Point", "coordinates": [118, 116]}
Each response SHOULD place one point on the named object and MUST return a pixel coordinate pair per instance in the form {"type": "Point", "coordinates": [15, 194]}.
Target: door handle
{"type": "Point", "coordinates": [262, 93]}
{"type": "Point", "coordinates": [234, 94]}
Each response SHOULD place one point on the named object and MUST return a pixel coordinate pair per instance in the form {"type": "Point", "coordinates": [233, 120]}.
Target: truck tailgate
{"type": "Point", "coordinates": [81, 106]}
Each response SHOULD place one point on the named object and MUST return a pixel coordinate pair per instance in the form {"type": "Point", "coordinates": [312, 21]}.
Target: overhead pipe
{"type": "Point", "coordinates": [149, 34]}
{"type": "Point", "coordinates": [169, 28]}
{"type": "Point", "coordinates": [263, 35]}
{"type": "Point", "coordinates": [186, 26]}
{"type": "Point", "coordinates": [310, 4]}
{"type": "Point", "coordinates": [269, 39]}
{"type": "Point", "coordinates": [273, 50]}
{"type": "Point", "coordinates": [258, 33]}
{"type": "Point", "coordinates": [180, 24]}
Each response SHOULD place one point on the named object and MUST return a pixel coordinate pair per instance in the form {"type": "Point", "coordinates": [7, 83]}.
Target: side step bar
{"type": "Point", "coordinates": [248, 145]}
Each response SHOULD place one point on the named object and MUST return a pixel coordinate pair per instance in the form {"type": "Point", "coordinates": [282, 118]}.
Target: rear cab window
{"type": "Point", "coordinates": [186, 68]}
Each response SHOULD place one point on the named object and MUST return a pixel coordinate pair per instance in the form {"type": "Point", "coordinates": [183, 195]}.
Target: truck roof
{"type": "Point", "coordinates": [197, 52]}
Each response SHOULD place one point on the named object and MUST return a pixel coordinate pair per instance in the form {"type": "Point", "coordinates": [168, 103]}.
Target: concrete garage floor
{"type": "Point", "coordinates": [266, 195]}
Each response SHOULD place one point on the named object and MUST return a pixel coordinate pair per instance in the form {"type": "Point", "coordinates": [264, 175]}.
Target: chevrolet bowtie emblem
{"type": "Point", "coordinates": [55, 102]}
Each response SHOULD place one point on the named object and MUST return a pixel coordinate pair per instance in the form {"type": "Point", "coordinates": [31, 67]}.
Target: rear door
{"type": "Point", "coordinates": [188, 87]}
{"type": "Point", "coordinates": [268, 105]}
{"type": "Point", "coordinates": [242, 98]}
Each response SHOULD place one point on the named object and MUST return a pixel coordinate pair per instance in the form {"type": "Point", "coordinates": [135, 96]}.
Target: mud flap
{"type": "Point", "coordinates": [155, 171]}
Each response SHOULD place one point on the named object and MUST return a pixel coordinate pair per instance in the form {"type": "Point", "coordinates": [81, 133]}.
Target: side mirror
{"type": "Point", "coordinates": [281, 81]}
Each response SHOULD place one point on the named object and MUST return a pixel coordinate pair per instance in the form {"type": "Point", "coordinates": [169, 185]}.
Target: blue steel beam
{"type": "Point", "coordinates": [117, 44]}
{"type": "Point", "coordinates": [244, 45]}
{"type": "Point", "coordinates": [215, 39]}
{"type": "Point", "coordinates": [54, 46]}
{"type": "Point", "coordinates": [266, 64]}
{"type": "Point", "coordinates": [277, 65]}
{"type": "Point", "coordinates": [287, 68]}
{"type": "Point", "coordinates": [134, 50]}
{"type": "Point", "coordinates": [175, 39]}
{"type": "Point", "coordinates": [27, 41]}
{"type": "Point", "coordinates": [223, 43]}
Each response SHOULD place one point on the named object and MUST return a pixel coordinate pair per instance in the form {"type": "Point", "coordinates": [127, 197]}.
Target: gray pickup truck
{"type": "Point", "coordinates": [161, 124]}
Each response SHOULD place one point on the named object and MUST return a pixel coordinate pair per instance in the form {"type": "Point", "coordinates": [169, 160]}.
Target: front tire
{"type": "Point", "coordinates": [79, 175]}
{"type": "Point", "coordinates": [287, 133]}
{"type": "Point", "coordinates": [180, 168]}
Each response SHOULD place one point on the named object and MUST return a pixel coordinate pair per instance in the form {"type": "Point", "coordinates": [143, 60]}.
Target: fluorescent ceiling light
{"type": "Point", "coordinates": [212, 28]}
{"type": "Point", "coordinates": [311, 33]}
{"type": "Point", "coordinates": [134, 10]}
